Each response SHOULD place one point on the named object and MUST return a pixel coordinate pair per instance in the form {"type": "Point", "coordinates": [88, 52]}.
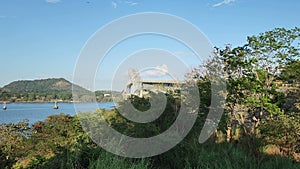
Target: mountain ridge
{"type": "Point", "coordinates": [49, 85]}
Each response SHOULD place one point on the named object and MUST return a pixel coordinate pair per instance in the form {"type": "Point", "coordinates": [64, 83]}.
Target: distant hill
{"type": "Point", "coordinates": [49, 90]}
{"type": "Point", "coordinates": [53, 86]}
{"type": "Point", "coordinates": [40, 90]}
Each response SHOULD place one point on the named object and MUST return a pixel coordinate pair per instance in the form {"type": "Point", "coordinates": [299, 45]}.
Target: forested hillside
{"type": "Point", "coordinates": [47, 90]}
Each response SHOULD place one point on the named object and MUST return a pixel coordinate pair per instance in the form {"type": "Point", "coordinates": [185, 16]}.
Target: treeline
{"type": "Point", "coordinates": [35, 97]}
{"type": "Point", "coordinates": [259, 112]}
{"type": "Point", "coordinates": [101, 96]}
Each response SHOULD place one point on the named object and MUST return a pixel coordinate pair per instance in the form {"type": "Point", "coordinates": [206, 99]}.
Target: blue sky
{"type": "Point", "coordinates": [43, 38]}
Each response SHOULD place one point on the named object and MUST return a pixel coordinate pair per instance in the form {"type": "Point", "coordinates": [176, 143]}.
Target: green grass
{"type": "Point", "coordinates": [230, 156]}
{"type": "Point", "coordinates": [210, 156]}
{"type": "Point", "coordinates": [107, 160]}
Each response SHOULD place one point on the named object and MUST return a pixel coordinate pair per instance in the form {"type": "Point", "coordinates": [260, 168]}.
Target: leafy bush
{"type": "Point", "coordinates": [283, 131]}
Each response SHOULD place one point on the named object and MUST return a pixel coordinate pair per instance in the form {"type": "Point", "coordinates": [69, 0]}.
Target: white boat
{"type": "Point", "coordinates": [4, 106]}
{"type": "Point", "coordinates": [55, 106]}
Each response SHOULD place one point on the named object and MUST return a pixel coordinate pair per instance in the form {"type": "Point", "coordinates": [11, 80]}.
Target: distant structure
{"type": "Point", "coordinates": [106, 95]}
{"type": "Point", "coordinates": [278, 83]}
{"type": "Point", "coordinates": [143, 87]}
{"type": "Point", "coordinates": [4, 106]}
{"type": "Point", "coordinates": [138, 87]}
{"type": "Point", "coordinates": [55, 106]}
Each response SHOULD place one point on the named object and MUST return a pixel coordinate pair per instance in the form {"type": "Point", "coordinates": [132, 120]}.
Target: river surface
{"type": "Point", "coordinates": [34, 112]}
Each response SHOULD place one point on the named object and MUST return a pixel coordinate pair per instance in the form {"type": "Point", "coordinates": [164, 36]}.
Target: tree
{"type": "Point", "coordinates": [283, 131]}
{"type": "Point", "coordinates": [13, 136]}
{"type": "Point", "coordinates": [291, 71]}
{"type": "Point", "coordinates": [250, 71]}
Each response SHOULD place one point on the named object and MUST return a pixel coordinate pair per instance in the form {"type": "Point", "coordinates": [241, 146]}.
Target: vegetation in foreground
{"type": "Point", "coordinates": [60, 142]}
{"type": "Point", "coordinates": [259, 128]}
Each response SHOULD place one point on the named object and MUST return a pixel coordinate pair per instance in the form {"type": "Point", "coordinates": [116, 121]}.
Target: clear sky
{"type": "Point", "coordinates": [43, 38]}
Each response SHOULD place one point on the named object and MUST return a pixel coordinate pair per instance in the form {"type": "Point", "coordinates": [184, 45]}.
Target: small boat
{"type": "Point", "coordinates": [55, 106]}
{"type": "Point", "coordinates": [4, 106]}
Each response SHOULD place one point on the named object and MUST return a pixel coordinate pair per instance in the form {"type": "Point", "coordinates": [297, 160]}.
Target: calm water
{"type": "Point", "coordinates": [39, 111]}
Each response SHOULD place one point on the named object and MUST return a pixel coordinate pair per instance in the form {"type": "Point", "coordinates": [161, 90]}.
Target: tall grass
{"type": "Point", "coordinates": [232, 156]}
{"type": "Point", "coordinates": [107, 160]}
{"type": "Point", "coordinates": [192, 156]}
{"type": "Point", "coordinates": [210, 156]}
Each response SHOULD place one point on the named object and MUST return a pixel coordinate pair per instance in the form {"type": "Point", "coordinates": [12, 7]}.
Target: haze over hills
{"type": "Point", "coordinates": [46, 90]}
